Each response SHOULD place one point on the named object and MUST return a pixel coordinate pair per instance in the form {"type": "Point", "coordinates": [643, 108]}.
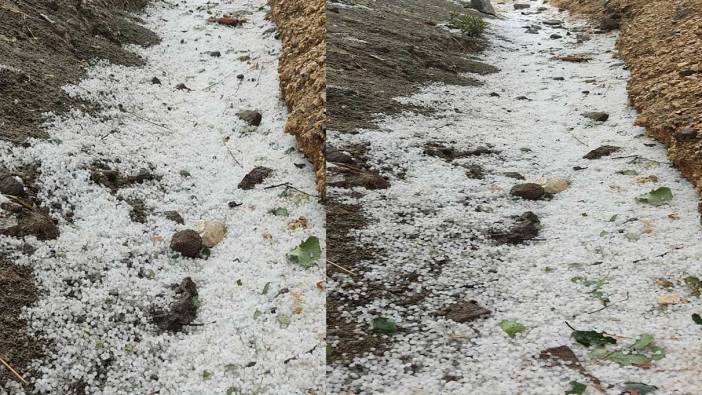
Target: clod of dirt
{"type": "Point", "coordinates": [483, 6]}
{"type": "Point", "coordinates": [525, 227]}
{"type": "Point", "coordinates": [522, 6]}
{"type": "Point", "coordinates": [156, 81]}
{"type": "Point", "coordinates": [528, 191]}
{"type": "Point", "coordinates": [174, 216]}
{"type": "Point", "coordinates": [212, 232]}
{"type": "Point", "coordinates": [113, 180]}
{"type": "Point", "coordinates": [138, 212]}
{"type": "Point", "coordinates": [182, 87]}
{"type": "Point", "coordinates": [182, 311]}
{"type": "Point", "coordinates": [255, 177]}
{"type": "Point", "coordinates": [605, 150]}
{"type": "Point", "coordinates": [441, 151]}
{"type": "Point", "coordinates": [685, 134]}
{"type": "Point", "coordinates": [513, 174]}
{"type": "Point", "coordinates": [350, 177]}
{"type": "Point", "coordinates": [555, 36]}
{"type": "Point", "coordinates": [9, 185]}
{"type": "Point", "coordinates": [187, 242]}
{"type": "Point", "coordinates": [251, 117]}
{"type": "Point", "coordinates": [597, 116]}
{"type": "Point", "coordinates": [228, 21]}
{"type": "Point", "coordinates": [465, 311]}
{"type": "Point", "coordinates": [475, 172]}
{"type": "Point", "coordinates": [31, 223]}
{"type": "Point", "coordinates": [564, 356]}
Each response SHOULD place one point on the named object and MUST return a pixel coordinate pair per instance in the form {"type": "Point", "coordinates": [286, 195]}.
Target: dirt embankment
{"type": "Point", "coordinates": [302, 25]}
{"type": "Point", "coordinates": [44, 45]}
{"type": "Point", "coordinates": [661, 42]}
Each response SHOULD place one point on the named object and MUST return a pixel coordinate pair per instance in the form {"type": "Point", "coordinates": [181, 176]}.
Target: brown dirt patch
{"type": "Point", "coordinates": [661, 42]}
{"type": "Point", "coordinates": [378, 51]}
{"type": "Point", "coordinates": [16, 346]}
{"type": "Point", "coordinates": [302, 25]}
{"type": "Point", "coordinates": [46, 44]}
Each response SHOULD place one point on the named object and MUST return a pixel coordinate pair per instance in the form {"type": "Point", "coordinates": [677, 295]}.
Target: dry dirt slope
{"type": "Point", "coordinates": [661, 42]}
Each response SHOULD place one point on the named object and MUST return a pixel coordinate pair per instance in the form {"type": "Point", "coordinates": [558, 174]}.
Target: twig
{"type": "Point", "coordinates": [288, 186]}
{"type": "Point", "coordinates": [342, 268]}
{"type": "Point", "coordinates": [577, 139]}
{"type": "Point", "coordinates": [636, 157]}
{"type": "Point", "coordinates": [613, 303]}
{"type": "Point", "coordinates": [7, 365]}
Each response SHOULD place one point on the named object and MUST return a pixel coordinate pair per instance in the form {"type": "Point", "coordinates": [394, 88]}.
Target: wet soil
{"type": "Point", "coordinates": [376, 52]}
{"type": "Point", "coordinates": [45, 45]}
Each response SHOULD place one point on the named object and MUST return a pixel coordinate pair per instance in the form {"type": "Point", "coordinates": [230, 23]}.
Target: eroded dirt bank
{"type": "Point", "coordinates": [302, 27]}
{"type": "Point", "coordinates": [661, 43]}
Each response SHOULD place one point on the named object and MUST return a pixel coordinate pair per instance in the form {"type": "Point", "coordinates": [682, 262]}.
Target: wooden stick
{"type": "Point", "coordinates": [7, 365]}
{"type": "Point", "coordinates": [342, 268]}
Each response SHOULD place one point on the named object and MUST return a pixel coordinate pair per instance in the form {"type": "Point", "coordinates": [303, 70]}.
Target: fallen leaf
{"type": "Point", "coordinates": [576, 388]}
{"type": "Point", "coordinates": [593, 338]}
{"type": "Point", "coordinates": [639, 388]}
{"type": "Point", "coordinates": [384, 325]}
{"type": "Point", "coordinates": [511, 327]}
{"type": "Point", "coordinates": [624, 358]}
{"type": "Point", "coordinates": [657, 197]}
{"type": "Point", "coordinates": [306, 253]}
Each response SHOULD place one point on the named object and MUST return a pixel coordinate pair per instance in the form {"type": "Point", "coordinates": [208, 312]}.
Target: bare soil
{"type": "Point", "coordinates": [45, 45]}
{"type": "Point", "coordinates": [377, 51]}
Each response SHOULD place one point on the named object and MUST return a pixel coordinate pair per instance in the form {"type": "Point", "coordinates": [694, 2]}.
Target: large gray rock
{"type": "Point", "coordinates": [483, 6]}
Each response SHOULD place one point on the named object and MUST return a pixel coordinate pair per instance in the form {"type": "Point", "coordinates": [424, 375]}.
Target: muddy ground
{"type": "Point", "coordinates": [660, 41]}
{"type": "Point", "coordinates": [45, 45]}
{"type": "Point", "coordinates": [378, 51]}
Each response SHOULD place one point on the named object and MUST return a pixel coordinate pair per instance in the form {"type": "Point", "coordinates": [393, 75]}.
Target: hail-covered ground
{"type": "Point", "coordinates": [173, 123]}
{"type": "Point", "coordinates": [604, 260]}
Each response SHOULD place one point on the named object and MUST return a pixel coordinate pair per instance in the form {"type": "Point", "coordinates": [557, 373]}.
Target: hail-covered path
{"type": "Point", "coordinates": [488, 316]}
{"type": "Point", "coordinates": [170, 131]}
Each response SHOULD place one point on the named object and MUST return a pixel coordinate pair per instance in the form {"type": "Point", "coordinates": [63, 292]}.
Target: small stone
{"type": "Point", "coordinates": [526, 227]}
{"type": "Point", "coordinates": [513, 174]}
{"type": "Point", "coordinates": [253, 118]}
{"type": "Point", "coordinates": [465, 311]}
{"type": "Point", "coordinates": [528, 191]}
{"type": "Point", "coordinates": [558, 78]}
{"type": "Point", "coordinates": [187, 242]}
{"type": "Point", "coordinates": [494, 94]}
{"type": "Point", "coordinates": [483, 6]}
{"type": "Point", "coordinates": [156, 81]}
{"type": "Point", "coordinates": [555, 36]}
{"type": "Point", "coordinates": [605, 150]}
{"type": "Point", "coordinates": [255, 177]}
{"type": "Point", "coordinates": [552, 22]}
{"type": "Point", "coordinates": [10, 185]}
{"type": "Point", "coordinates": [212, 232]}
{"type": "Point", "coordinates": [182, 87]}
{"type": "Point", "coordinates": [555, 185]}
{"type": "Point", "coordinates": [174, 216]}
{"type": "Point", "coordinates": [521, 6]}
{"type": "Point", "coordinates": [239, 76]}
{"type": "Point", "coordinates": [215, 54]}
{"type": "Point", "coordinates": [597, 116]}
{"type": "Point", "coordinates": [475, 172]}
{"type": "Point", "coordinates": [335, 156]}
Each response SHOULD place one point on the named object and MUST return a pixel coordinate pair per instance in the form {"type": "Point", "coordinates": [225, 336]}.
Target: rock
{"type": "Point", "coordinates": [187, 242]}
{"type": "Point", "coordinates": [182, 87]}
{"type": "Point", "coordinates": [32, 223]}
{"type": "Point", "coordinates": [239, 77]}
{"type": "Point", "coordinates": [182, 311]}
{"type": "Point", "coordinates": [255, 177]}
{"type": "Point", "coordinates": [215, 54]}
{"type": "Point", "coordinates": [605, 150]}
{"type": "Point", "coordinates": [10, 185]}
{"type": "Point", "coordinates": [522, 98]}
{"type": "Point", "coordinates": [521, 6]}
{"type": "Point", "coordinates": [597, 116]}
{"type": "Point", "coordinates": [251, 117]}
{"type": "Point", "coordinates": [555, 36]}
{"type": "Point", "coordinates": [528, 191]}
{"type": "Point", "coordinates": [335, 156]}
{"type": "Point", "coordinates": [552, 22]}
{"type": "Point", "coordinates": [555, 185]}
{"type": "Point", "coordinates": [156, 81]}
{"type": "Point", "coordinates": [684, 134]}
{"type": "Point", "coordinates": [610, 22]}
{"type": "Point", "coordinates": [465, 311]}
{"type": "Point", "coordinates": [439, 150]}
{"type": "Point", "coordinates": [212, 232]}
{"type": "Point", "coordinates": [475, 172]}
{"type": "Point", "coordinates": [525, 227]}
{"type": "Point", "coordinates": [513, 174]}
{"type": "Point", "coordinates": [559, 78]}
{"type": "Point", "coordinates": [138, 211]}
{"type": "Point", "coordinates": [174, 216]}
{"type": "Point", "coordinates": [494, 94]}
{"type": "Point", "coordinates": [483, 6]}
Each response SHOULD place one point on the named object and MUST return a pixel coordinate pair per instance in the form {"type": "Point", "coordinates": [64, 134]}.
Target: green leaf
{"type": "Point", "coordinates": [511, 328]}
{"type": "Point", "coordinates": [657, 197]}
{"type": "Point", "coordinates": [283, 320]}
{"type": "Point", "coordinates": [623, 358]}
{"type": "Point", "coordinates": [613, 218]}
{"type": "Point", "coordinates": [694, 284]}
{"type": "Point", "coordinates": [206, 375]}
{"type": "Point", "coordinates": [643, 342]}
{"type": "Point", "coordinates": [697, 319]}
{"type": "Point", "coordinates": [576, 388]}
{"type": "Point", "coordinates": [657, 353]}
{"type": "Point", "coordinates": [640, 388]}
{"type": "Point", "coordinates": [592, 338]}
{"type": "Point", "coordinates": [306, 253]}
{"type": "Point", "coordinates": [280, 212]}
{"type": "Point", "coordinates": [384, 325]}
{"type": "Point", "coordinates": [232, 391]}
